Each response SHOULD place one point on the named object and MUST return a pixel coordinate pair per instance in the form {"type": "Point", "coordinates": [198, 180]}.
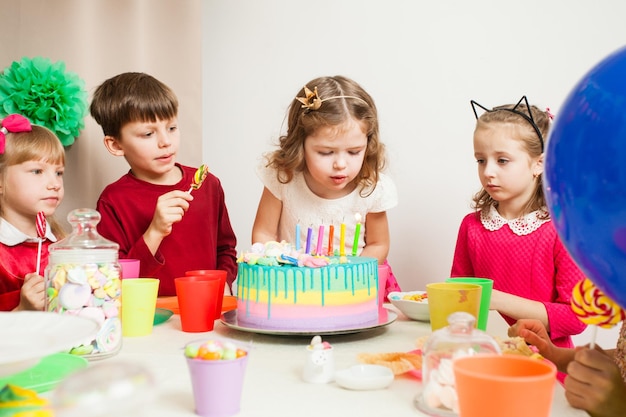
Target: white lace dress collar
{"type": "Point", "coordinates": [521, 226]}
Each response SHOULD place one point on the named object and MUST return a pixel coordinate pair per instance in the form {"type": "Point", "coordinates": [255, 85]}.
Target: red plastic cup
{"type": "Point", "coordinates": [197, 301]}
{"type": "Point", "coordinates": [213, 273]}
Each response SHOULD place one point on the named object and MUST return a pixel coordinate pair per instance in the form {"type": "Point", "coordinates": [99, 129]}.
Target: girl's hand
{"type": "Point", "coordinates": [594, 384]}
{"type": "Point", "coordinates": [32, 295]}
{"type": "Point", "coordinates": [169, 209]}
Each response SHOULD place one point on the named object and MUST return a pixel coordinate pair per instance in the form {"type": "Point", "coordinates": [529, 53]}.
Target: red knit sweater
{"type": "Point", "coordinates": [15, 262]}
{"type": "Point", "coordinates": [204, 239]}
{"type": "Point", "coordinates": [535, 266]}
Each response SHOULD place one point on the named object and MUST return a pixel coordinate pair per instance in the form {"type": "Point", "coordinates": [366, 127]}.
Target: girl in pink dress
{"type": "Point", "coordinates": [510, 237]}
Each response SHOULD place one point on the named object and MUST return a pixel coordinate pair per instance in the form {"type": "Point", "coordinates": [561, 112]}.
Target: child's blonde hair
{"type": "Point", "coordinates": [340, 99]}
{"type": "Point", "coordinates": [39, 144]}
{"type": "Point", "coordinates": [532, 143]}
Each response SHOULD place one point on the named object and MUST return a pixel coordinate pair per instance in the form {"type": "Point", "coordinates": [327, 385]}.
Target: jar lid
{"type": "Point", "coordinates": [460, 334]}
{"type": "Point", "coordinates": [84, 234]}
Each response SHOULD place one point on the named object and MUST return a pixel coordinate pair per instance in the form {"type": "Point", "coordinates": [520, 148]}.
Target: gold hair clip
{"type": "Point", "coordinates": [311, 101]}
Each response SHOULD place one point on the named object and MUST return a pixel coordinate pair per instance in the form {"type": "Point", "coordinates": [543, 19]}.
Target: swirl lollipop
{"type": "Point", "coordinates": [41, 225]}
{"type": "Point", "coordinates": [595, 308]}
{"type": "Point", "coordinates": [199, 177]}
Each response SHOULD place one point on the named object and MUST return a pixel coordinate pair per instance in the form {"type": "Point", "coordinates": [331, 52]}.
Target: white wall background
{"type": "Point", "coordinates": [422, 62]}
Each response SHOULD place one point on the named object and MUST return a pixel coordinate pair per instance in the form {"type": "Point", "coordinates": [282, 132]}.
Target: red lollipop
{"type": "Point", "coordinates": [41, 232]}
{"type": "Point", "coordinates": [41, 225]}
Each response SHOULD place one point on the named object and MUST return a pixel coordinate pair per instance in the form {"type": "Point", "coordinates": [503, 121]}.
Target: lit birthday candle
{"type": "Point", "coordinates": [331, 232]}
{"type": "Point", "coordinates": [342, 240]}
{"type": "Point", "coordinates": [309, 232]}
{"type": "Point", "coordinates": [320, 238]}
{"type": "Point", "coordinates": [355, 245]}
{"type": "Point", "coordinates": [297, 236]}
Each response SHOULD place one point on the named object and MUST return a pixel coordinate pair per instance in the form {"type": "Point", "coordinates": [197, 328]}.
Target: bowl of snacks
{"type": "Point", "coordinates": [413, 304]}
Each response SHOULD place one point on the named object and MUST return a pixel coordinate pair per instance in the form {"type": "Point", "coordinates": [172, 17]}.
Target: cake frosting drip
{"type": "Point", "coordinates": [279, 288]}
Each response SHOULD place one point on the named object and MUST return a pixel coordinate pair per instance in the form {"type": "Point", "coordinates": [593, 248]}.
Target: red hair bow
{"type": "Point", "coordinates": [12, 123]}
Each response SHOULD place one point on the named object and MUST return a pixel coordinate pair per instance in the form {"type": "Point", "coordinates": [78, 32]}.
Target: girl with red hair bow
{"type": "Point", "coordinates": [32, 161]}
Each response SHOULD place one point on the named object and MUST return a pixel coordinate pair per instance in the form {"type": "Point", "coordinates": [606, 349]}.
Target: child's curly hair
{"type": "Point", "coordinates": [341, 99]}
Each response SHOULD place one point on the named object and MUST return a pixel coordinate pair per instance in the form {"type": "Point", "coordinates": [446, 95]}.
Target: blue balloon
{"type": "Point", "coordinates": [585, 175]}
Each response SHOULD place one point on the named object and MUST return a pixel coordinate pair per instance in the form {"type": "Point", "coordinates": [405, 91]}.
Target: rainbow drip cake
{"type": "Point", "coordinates": [280, 289]}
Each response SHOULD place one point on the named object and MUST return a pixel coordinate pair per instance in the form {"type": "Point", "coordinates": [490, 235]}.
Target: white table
{"type": "Point", "coordinates": [273, 385]}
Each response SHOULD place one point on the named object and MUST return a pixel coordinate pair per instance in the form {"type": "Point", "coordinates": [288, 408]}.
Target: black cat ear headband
{"type": "Point", "coordinates": [528, 117]}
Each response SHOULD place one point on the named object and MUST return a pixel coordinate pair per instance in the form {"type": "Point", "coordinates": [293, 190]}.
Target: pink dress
{"type": "Point", "coordinates": [524, 257]}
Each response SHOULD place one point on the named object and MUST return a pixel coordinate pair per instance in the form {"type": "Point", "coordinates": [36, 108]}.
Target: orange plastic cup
{"type": "Point", "coordinates": [504, 385]}
{"type": "Point", "coordinates": [197, 300]}
{"type": "Point", "coordinates": [213, 273]}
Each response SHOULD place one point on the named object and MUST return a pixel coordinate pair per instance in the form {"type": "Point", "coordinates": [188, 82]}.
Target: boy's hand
{"type": "Point", "coordinates": [32, 295]}
{"type": "Point", "coordinates": [169, 209]}
{"type": "Point", "coordinates": [594, 384]}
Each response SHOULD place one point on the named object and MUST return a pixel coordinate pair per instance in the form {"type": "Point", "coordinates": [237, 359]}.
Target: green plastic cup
{"type": "Point", "coordinates": [485, 297]}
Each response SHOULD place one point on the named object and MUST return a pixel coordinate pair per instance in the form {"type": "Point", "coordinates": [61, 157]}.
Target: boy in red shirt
{"type": "Point", "coordinates": [150, 211]}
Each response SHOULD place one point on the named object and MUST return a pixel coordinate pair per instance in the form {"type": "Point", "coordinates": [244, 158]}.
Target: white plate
{"type": "Point", "coordinates": [385, 317]}
{"type": "Point", "coordinates": [364, 377]}
{"type": "Point", "coordinates": [28, 336]}
{"type": "Point", "coordinates": [416, 310]}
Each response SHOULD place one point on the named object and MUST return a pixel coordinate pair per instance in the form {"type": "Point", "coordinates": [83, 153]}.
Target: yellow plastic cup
{"type": "Point", "coordinates": [138, 305]}
{"type": "Point", "coordinates": [485, 297]}
{"type": "Point", "coordinates": [445, 298]}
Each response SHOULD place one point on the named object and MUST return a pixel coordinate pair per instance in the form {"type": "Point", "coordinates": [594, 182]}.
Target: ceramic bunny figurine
{"type": "Point", "coordinates": [319, 367]}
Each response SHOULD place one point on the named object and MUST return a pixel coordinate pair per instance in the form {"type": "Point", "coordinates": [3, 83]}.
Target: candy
{"type": "Point", "coordinates": [18, 401]}
{"type": "Point", "coordinates": [318, 344]}
{"type": "Point", "coordinates": [593, 307]}
{"type": "Point", "coordinates": [214, 350]}
{"type": "Point", "coordinates": [74, 296]}
{"type": "Point", "coordinates": [198, 177]}
{"type": "Point", "coordinates": [41, 224]}
{"type": "Point", "coordinates": [110, 335]}
{"type": "Point", "coordinates": [415, 297]}
{"type": "Point", "coordinates": [92, 290]}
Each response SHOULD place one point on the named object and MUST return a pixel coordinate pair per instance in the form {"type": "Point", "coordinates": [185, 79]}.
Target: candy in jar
{"type": "Point", "coordinates": [83, 279]}
{"type": "Point", "coordinates": [459, 338]}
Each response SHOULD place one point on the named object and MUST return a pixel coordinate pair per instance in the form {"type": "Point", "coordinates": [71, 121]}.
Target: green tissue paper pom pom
{"type": "Point", "coordinates": [46, 94]}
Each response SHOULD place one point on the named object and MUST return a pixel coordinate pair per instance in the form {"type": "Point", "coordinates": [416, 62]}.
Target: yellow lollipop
{"type": "Point", "coordinates": [594, 307]}
{"type": "Point", "coordinates": [199, 177]}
